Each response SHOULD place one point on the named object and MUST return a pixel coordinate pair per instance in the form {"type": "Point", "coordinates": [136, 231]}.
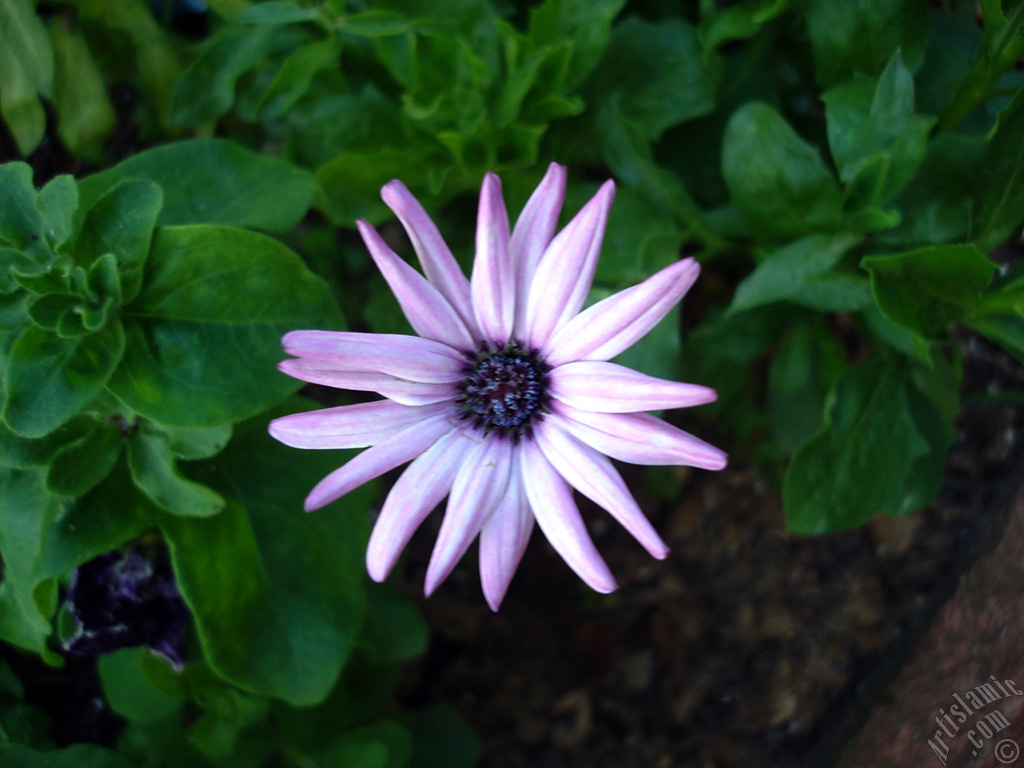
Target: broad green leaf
{"type": "Point", "coordinates": [737, 22]}
{"type": "Point", "coordinates": [206, 90]}
{"type": "Point", "coordinates": [382, 744]}
{"type": "Point", "coordinates": [586, 23]}
{"type": "Point", "coordinates": [351, 181]}
{"type": "Point", "coordinates": [928, 472]}
{"type": "Point", "coordinates": [394, 627]}
{"type": "Point", "coordinates": [154, 469]}
{"type": "Point", "coordinates": [1000, 211]}
{"type": "Point", "coordinates": [442, 739]}
{"type": "Point", "coordinates": [925, 290]}
{"type": "Point", "coordinates": [1005, 330]}
{"type": "Point", "coordinates": [862, 35]}
{"type": "Point", "coordinates": [804, 369]}
{"type": "Point", "coordinates": [275, 12]}
{"type": "Point", "coordinates": [211, 181]}
{"type": "Point", "coordinates": [25, 453]}
{"type": "Point", "coordinates": [293, 77]}
{"type": "Point", "coordinates": [858, 464]}
{"type": "Point", "coordinates": [275, 593]}
{"type": "Point", "coordinates": [658, 73]}
{"type": "Point", "coordinates": [205, 332]}
{"type": "Point", "coordinates": [191, 444]}
{"type": "Point", "coordinates": [776, 179]}
{"type": "Point", "coordinates": [121, 222]}
{"type": "Point", "coordinates": [129, 691]}
{"type": "Point", "coordinates": [377, 23]}
{"type": "Point", "coordinates": [86, 114]}
{"type": "Point", "coordinates": [75, 756]}
{"type": "Point", "coordinates": [57, 202]}
{"type": "Point", "coordinates": [786, 272]}
{"type": "Point", "coordinates": [83, 463]}
{"type": "Point", "coordinates": [49, 378]}
{"type": "Point", "coordinates": [871, 120]}
{"type": "Point", "coordinates": [25, 509]}
{"type": "Point", "coordinates": [26, 71]}
{"type": "Point", "coordinates": [20, 220]}
{"type": "Point", "coordinates": [109, 516]}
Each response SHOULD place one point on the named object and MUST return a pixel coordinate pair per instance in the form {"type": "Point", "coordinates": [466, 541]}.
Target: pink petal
{"type": "Point", "coordinates": [401, 447]}
{"type": "Point", "coordinates": [493, 282]}
{"type": "Point", "coordinates": [479, 486]}
{"type": "Point", "coordinates": [611, 388]}
{"type": "Point", "coordinates": [503, 540]}
{"type": "Point", "coordinates": [435, 257]}
{"type": "Point", "coordinates": [429, 313]}
{"type": "Point", "coordinates": [350, 426]}
{"type": "Point", "coordinates": [637, 438]}
{"type": "Point", "coordinates": [407, 357]}
{"type": "Point", "coordinates": [557, 515]}
{"type": "Point", "coordinates": [533, 232]}
{"type": "Point", "coordinates": [593, 475]}
{"type": "Point", "coordinates": [566, 270]}
{"type": "Point", "coordinates": [415, 494]}
{"type": "Point", "coordinates": [607, 328]}
{"type": "Point", "coordinates": [400, 390]}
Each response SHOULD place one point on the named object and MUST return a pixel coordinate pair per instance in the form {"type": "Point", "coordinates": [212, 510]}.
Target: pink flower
{"type": "Point", "coordinates": [505, 401]}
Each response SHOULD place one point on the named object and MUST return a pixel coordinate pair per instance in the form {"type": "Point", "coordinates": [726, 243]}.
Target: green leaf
{"type": "Point", "coordinates": [869, 121]}
{"type": "Point", "coordinates": [49, 378]}
{"type": "Point", "coordinates": [24, 453]}
{"type": "Point", "coordinates": [776, 179]}
{"type": "Point", "coordinates": [275, 593]}
{"type": "Point", "coordinates": [857, 465]}
{"type": "Point", "coordinates": [26, 69]}
{"type": "Point", "coordinates": [785, 273]}
{"type": "Point", "coordinates": [121, 222]}
{"type": "Point", "coordinates": [206, 90]}
{"type": "Point", "coordinates": [205, 332]}
{"type": "Point", "coordinates": [211, 181]}
{"type": "Point", "coordinates": [1000, 208]}
{"type": "Point", "coordinates": [442, 739]}
{"type": "Point", "coordinates": [57, 202]}
{"type": "Point", "coordinates": [86, 114]}
{"type": "Point", "coordinates": [925, 290]}
{"type": "Point", "coordinates": [130, 692]}
{"type": "Point", "coordinates": [275, 12]}
{"type": "Point", "coordinates": [25, 509]}
{"type": "Point", "coordinates": [20, 221]}
{"type": "Point", "coordinates": [587, 23]}
{"type": "Point", "coordinates": [659, 74]}
{"type": "Point", "coordinates": [394, 627]}
{"type": "Point", "coordinates": [194, 444]}
{"type": "Point", "coordinates": [294, 76]}
{"type": "Point", "coordinates": [1005, 330]}
{"type": "Point", "coordinates": [378, 23]}
{"type": "Point", "coordinates": [75, 756]}
{"type": "Point", "coordinates": [737, 22]}
{"type": "Point", "coordinates": [862, 35]}
{"type": "Point", "coordinates": [83, 463]}
{"type": "Point", "coordinates": [154, 469]}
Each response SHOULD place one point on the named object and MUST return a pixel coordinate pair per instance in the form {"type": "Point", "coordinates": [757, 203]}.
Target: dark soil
{"type": "Point", "coordinates": [745, 647]}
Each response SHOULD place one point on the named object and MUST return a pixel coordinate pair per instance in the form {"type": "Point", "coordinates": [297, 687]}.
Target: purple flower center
{"type": "Point", "coordinates": [504, 389]}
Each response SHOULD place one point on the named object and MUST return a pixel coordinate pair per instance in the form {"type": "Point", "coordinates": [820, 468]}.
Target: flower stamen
{"type": "Point", "coordinates": [505, 390]}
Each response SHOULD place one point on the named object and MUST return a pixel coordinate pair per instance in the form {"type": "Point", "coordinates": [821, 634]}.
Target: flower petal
{"type": "Point", "coordinates": [610, 388]}
{"type": "Point", "coordinates": [479, 486]}
{"type": "Point", "coordinates": [614, 324]}
{"type": "Point", "coordinates": [399, 448]}
{"type": "Point", "coordinates": [557, 515]}
{"type": "Point", "coordinates": [533, 232]}
{"type": "Point", "coordinates": [350, 426]}
{"type": "Point", "coordinates": [593, 475]}
{"type": "Point", "coordinates": [493, 282]}
{"type": "Point", "coordinates": [429, 313]}
{"type": "Point", "coordinates": [637, 438]}
{"type": "Point", "coordinates": [503, 540]}
{"type": "Point", "coordinates": [407, 357]}
{"type": "Point", "coordinates": [415, 494]}
{"type": "Point", "coordinates": [435, 257]}
{"type": "Point", "coordinates": [400, 390]}
{"type": "Point", "coordinates": [566, 270]}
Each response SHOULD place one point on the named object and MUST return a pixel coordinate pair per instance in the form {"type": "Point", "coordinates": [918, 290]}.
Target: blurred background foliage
{"type": "Point", "coordinates": [850, 174]}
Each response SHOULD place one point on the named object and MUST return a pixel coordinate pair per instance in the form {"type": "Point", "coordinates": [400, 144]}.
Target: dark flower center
{"type": "Point", "coordinates": [504, 390]}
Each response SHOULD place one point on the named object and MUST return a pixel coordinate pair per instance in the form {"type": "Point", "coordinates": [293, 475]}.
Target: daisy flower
{"type": "Point", "coordinates": [505, 401]}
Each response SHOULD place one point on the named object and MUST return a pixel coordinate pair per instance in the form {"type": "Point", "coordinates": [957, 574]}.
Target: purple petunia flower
{"type": "Point", "coordinates": [505, 401]}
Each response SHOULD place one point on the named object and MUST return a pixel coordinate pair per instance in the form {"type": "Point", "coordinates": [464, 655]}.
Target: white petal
{"type": "Point", "coordinates": [415, 494]}
{"type": "Point", "coordinates": [400, 390]}
{"type": "Point", "coordinates": [503, 540]}
{"type": "Point", "coordinates": [533, 232]}
{"type": "Point", "coordinates": [406, 357]}
{"type": "Point", "coordinates": [350, 426]}
{"type": "Point", "coordinates": [479, 486]}
{"type": "Point", "coordinates": [610, 388]}
{"type": "Point", "coordinates": [614, 324]}
{"type": "Point", "coordinates": [493, 283]}
{"type": "Point", "coordinates": [559, 519]}
{"type": "Point", "coordinates": [593, 475]}
{"type": "Point", "coordinates": [429, 313]}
